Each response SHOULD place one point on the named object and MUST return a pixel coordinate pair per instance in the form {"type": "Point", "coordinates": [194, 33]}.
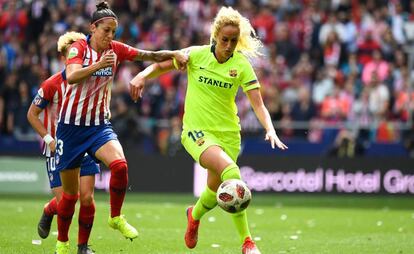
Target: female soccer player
{"type": "Point", "coordinates": [43, 116]}
{"type": "Point", "coordinates": [211, 129]}
{"type": "Point", "coordinates": [84, 118]}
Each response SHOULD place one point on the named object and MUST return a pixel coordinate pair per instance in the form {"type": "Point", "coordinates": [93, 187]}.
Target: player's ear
{"type": "Point", "coordinates": [92, 28]}
{"type": "Point", "coordinates": [63, 54]}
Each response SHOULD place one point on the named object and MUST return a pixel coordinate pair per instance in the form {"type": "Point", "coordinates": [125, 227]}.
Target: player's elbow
{"type": "Point", "coordinates": [74, 74]}
{"type": "Point", "coordinates": [30, 116]}
{"type": "Point", "coordinates": [71, 80]}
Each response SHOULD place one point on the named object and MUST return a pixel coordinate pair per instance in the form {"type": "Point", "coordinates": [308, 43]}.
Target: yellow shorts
{"type": "Point", "coordinates": [196, 142]}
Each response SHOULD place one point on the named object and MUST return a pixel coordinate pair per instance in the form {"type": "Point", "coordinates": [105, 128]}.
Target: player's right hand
{"type": "Point", "coordinates": [136, 85]}
{"type": "Point", "coordinates": [108, 59]}
{"type": "Point", "coordinates": [52, 146]}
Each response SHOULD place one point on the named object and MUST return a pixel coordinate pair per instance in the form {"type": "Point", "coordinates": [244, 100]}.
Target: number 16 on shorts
{"type": "Point", "coordinates": [197, 136]}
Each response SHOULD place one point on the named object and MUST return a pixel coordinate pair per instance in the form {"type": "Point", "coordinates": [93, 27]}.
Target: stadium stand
{"type": "Point", "coordinates": [333, 70]}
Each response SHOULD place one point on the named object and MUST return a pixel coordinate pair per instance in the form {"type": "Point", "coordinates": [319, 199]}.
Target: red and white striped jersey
{"type": "Point", "coordinates": [87, 103]}
{"type": "Point", "coordinates": [49, 97]}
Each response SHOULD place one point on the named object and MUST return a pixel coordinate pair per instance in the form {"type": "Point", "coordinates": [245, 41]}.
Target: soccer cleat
{"type": "Point", "coordinates": [84, 249]}
{"type": "Point", "coordinates": [120, 223]}
{"type": "Point", "coordinates": [43, 227]}
{"type": "Point", "coordinates": [249, 247]}
{"type": "Point", "coordinates": [191, 235]}
{"type": "Point", "coordinates": [62, 247]}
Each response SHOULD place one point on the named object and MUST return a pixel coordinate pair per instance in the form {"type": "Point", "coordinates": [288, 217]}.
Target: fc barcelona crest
{"type": "Point", "coordinates": [233, 73]}
{"type": "Point", "coordinates": [200, 141]}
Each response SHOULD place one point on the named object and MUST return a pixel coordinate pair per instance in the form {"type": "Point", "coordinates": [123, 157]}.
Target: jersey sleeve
{"type": "Point", "coordinates": [186, 51]}
{"type": "Point", "coordinates": [76, 53]}
{"type": "Point", "coordinates": [248, 78]}
{"type": "Point", "coordinates": [39, 100]}
{"type": "Point", "coordinates": [124, 51]}
{"type": "Point", "coordinates": [44, 95]}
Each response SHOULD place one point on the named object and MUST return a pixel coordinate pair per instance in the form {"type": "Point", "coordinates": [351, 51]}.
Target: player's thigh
{"type": "Point", "coordinates": [110, 151]}
{"type": "Point", "coordinates": [206, 148]}
{"type": "Point", "coordinates": [70, 180]}
{"type": "Point", "coordinates": [215, 159]}
{"type": "Point", "coordinates": [104, 146]}
{"type": "Point", "coordinates": [72, 143]}
{"type": "Point", "coordinates": [196, 142]}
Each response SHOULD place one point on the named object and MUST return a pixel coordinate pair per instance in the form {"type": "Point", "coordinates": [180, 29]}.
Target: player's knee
{"type": "Point", "coordinates": [232, 171]}
{"type": "Point", "coordinates": [119, 167]}
{"type": "Point", "coordinates": [58, 194]}
{"type": "Point", "coordinates": [70, 190]}
{"type": "Point", "coordinates": [119, 175]}
{"type": "Point", "coordinates": [86, 199]}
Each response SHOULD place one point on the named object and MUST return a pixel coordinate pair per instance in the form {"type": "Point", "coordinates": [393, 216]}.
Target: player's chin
{"type": "Point", "coordinates": [106, 43]}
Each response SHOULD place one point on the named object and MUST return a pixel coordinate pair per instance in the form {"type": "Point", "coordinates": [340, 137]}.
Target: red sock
{"type": "Point", "coordinates": [51, 207]}
{"type": "Point", "coordinates": [65, 210]}
{"type": "Point", "coordinates": [118, 185]}
{"type": "Point", "coordinates": [86, 216]}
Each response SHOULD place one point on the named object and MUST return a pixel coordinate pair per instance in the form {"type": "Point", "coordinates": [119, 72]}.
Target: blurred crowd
{"type": "Point", "coordinates": [335, 68]}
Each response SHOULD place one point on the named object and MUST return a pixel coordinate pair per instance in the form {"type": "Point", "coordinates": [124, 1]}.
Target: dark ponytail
{"type": "Point", "coordinates": [102, 11]}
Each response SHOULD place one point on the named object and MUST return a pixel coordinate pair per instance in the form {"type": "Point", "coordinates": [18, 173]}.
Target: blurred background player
{"type": "Point", "coordinates": [84, 118]}
{"type": "Point", "coordinates": [43, 116]}
{"type": "Point", "coordinates": [211, 130]}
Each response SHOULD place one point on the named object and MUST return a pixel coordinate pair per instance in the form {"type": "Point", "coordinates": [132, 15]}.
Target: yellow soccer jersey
{"type": "Point", "coordinates": [212, 88]}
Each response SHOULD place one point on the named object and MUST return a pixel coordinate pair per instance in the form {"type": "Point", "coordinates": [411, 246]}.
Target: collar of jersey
{"type": "Point", "coordinates": [64, 74]}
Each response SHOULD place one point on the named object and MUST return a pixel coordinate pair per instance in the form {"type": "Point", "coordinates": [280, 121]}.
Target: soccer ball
{"type": "Point", "coordinates": [233, 196]}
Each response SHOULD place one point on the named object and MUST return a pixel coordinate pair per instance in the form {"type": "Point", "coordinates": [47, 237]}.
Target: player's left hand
{"type": "Point", "coordinates": [182, 59]}
{"type": "Point", "coordinates": [274, 140]}
{"type": "Point", "coordinates": [136, 85]}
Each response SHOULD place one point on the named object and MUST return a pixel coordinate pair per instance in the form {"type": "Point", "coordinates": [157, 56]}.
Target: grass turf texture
{"type": "Point", "coordinates": [280, 223]}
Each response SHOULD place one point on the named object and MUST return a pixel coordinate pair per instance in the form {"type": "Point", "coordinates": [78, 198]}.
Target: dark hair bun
{"type": "Point", "coordinates": [102, 5]}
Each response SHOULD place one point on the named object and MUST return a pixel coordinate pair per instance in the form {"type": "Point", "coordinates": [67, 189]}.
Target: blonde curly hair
{"type": "Point", "coordinates": [248, 42]}
{"type": "Point", "coordinates": [67, 39]}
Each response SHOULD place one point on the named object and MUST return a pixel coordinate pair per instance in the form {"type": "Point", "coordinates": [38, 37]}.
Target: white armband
{"type": "Point", "coordinates": [48, 139]}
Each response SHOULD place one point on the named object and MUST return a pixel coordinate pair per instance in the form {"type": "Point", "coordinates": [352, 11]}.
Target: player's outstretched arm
{"type": "Point", "coordinates": [263, 115]}
{"type": "Point", "coordinates": [163, 55]}
{"type": "Point", "coordinates": [33, 118]}
{"type": "Point", "coordinates": [137, 84]}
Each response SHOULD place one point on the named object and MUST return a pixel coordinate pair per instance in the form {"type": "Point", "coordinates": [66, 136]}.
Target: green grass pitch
{"type": "Point", "coordinates": [279, 223]}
